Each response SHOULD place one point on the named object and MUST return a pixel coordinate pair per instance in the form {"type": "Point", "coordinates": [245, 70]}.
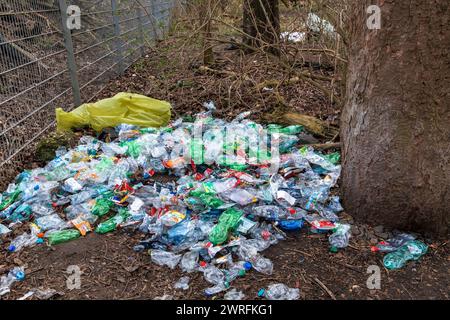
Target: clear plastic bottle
{"type": "Point", "coordinates": [166, 258]}
{"type": "Point", "coordinates": [279, 291]}
{"type": "Point", "coordinates": [240, 196]}
{"type": "Point", "coordinates": [269, 212]}
{"type": "Point", "coordinates": [189, 261]}
{"type": "Point", "coordinates": [213, 275]}
{"type": "Point", "coordinates": [234, 294]}
{"type": "Point", "coordinates": [182, 283]}
{"type": "Point", "coordinates": [15, 274]}
{"type": "Point", "coordinates": [24, 240]}
{"type": "Point", "coordinates": [341, 235]}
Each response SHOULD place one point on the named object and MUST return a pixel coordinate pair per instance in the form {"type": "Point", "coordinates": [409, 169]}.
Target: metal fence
{"type": "Point", "coordinates": [45, 63]}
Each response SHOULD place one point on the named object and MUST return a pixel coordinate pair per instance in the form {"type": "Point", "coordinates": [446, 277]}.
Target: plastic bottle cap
{"type": "Point", "coordinates": [203, 264]}
{"type": "Point", "coordinates": [261, 292]}
{"type": "Point", "coordinates": [12, 248]}
{"type": "Point", "coordinates": [247, 265]}
{"type": "Point", "coordinates": [333, 249]}
{"type": "Point", "coordinates": [20, 276]}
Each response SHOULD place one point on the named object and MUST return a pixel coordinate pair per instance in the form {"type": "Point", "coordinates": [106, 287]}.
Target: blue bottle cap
{"type": "Point", "coordinates": [40, 241]}
{"type": "Point", "coordinates": [12, 248]}
{"type": "Point", "coordinates": [36, 187]}
{"type": "Point", "coordinates": [261, 292]}
{"type": "Point", "coordinates": [247, 266]}
{"type": "Point", "coordinates": [20, 276]}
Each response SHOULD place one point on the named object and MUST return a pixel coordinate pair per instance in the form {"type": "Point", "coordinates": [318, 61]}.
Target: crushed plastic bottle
{"type": "Point", "coordinates": [279, 291]}
{"type": "Point", "coordinates": [394, 243]}
{"type": "Point", "coordinates": [412, 250]}
{"type": "Point", "coordinates": [62, 236]}
{"type": "Point", "coordinates": [340, 237]}
{"type": "Point", "coordinates": [182, 283]}
{"type": "Point", "coordinates": [15, 274]}
{"type": "Point", "coordinates": [234, 294]}
{"type": "Point", "coordinates": [4, 230]}
{"type": "Point", "coordinates": [165, 258]}
{"type": "Point", "coordinates": [226, 201]}
{"type": "Point", "coordinates": [24, 240]}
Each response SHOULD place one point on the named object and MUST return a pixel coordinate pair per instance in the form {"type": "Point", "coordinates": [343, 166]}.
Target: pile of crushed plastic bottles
{"type": "Point", "coordinates": [224, 205]}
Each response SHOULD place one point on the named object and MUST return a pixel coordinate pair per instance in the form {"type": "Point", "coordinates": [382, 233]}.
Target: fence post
{"type": "Point", "coordinates": [71, 64]}
{"type": "Point", "coordinates": [117, 42]}
{"type": "Point", "coordinates": [155, 19]}
{"type": "Point", "coordinates": [141, 29]}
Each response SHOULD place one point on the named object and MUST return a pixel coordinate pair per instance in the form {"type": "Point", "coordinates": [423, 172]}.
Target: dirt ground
{"type": "Point", "coordinates": [112, 270]}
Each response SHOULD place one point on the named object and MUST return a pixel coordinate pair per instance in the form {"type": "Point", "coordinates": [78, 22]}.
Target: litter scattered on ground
{"type": "Point", "coordinates": [235, 188]}
{"type": "Point", "coordinates": [234, 294]}
{"type": "Point", "coordinates": [279, 291]}
{"type": "Point", "coordinates": [183, 283]}
{"type": "Point", "coordinates": [400, 249]}
{"type": "Point", "coordinates": [293, 36]}
{"type": "Point", "coordinates": [14, 275]}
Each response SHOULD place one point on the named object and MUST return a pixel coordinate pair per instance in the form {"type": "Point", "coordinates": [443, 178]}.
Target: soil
{"type": "Point", "coordinates": [112, 270]}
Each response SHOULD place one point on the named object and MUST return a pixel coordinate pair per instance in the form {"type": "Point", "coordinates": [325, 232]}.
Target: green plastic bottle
{"type": "Point", "coordinates": [102, 206]}
{"type": "Point", "coordinates": [412, 250]}
{"type": "Point", "coordinates": [275, 128]}
{"type": "Point", "coordinates": [196, 151]}
{"type": "Point", "coordinates": [134, 148]}
{"type": "Point", "coordinates": [112, 223]}
{"type": "Point", "coordinates": [228, 221]}
{"type": "Point", "coordinates": [10, 199]}
{"type": "Point", "coordinates": [63, 236]}
{"type": "Point", "coordinates": [334, 157]}
{"type": "Point", "coordinates": [209, 199]}
{"type": "Point", "coordinates": [148, 130]}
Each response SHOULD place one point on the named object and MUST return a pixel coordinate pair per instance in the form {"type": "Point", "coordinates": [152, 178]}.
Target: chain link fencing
{"type": "Point", "coordinates": [62, 53]}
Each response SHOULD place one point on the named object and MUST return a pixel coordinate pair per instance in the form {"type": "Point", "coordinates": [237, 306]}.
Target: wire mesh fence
{"type": "Point", "coordinates": [47, 62]}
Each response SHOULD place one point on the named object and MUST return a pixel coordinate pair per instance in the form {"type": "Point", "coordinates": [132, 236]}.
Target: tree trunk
{"type": "Point", "coordinates": [262, 25]}
{"type": "Point", "coordinates": [205, 15]}
{"type": "Point", "coordinates": [396, 121]}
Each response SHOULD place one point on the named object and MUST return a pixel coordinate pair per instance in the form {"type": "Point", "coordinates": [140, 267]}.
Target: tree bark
{"type": "Point", "coordinates": [205, 15]}
{"type": "Point", "coordinates": [262, 25]}
{"type": "Point", "coordinates": [395, 124]}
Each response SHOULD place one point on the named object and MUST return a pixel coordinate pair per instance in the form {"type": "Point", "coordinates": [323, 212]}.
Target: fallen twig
{"type": "Point", "coordinates": [324, 287]}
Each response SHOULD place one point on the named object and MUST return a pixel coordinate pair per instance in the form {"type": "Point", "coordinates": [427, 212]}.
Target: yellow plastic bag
{"type": "Point", "coordinates": [124, 107]}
